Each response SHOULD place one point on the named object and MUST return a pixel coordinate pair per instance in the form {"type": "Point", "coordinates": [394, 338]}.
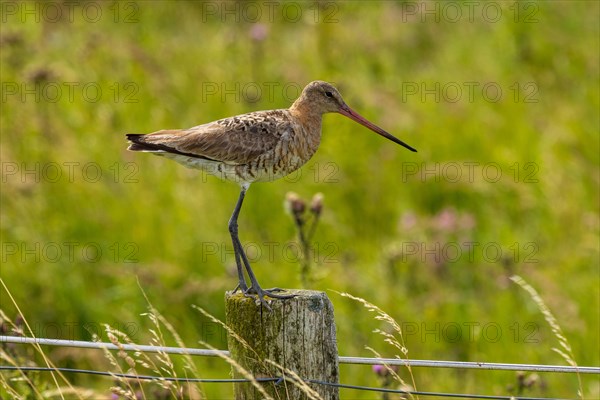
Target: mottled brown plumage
{"type": "Point", "coordinates": [255, 147]}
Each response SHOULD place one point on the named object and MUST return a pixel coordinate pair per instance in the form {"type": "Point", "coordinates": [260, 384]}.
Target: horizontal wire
{"type": "Point", "coordinates": [342, 359]}
{"type": "Point", "coordinates": [471, 365]}
{"type": "Point", "coordinates": [111, 346]}
{"type": "Point", "coordinates": [132, 376]}
{"type": "Point", "coordinates": [438, 394]}
{"type": "Point", "coordinates": [276, 380]}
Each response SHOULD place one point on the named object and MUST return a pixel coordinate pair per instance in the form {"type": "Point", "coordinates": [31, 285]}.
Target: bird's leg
{"type": "Point", "coordinates": [239, 251]}
{"type": "Point", "coordinates": [242, 281]}
{"type": "Point", "coordinates": [255, 287]}
{"type": "Point", "coordinates": [233, 230]}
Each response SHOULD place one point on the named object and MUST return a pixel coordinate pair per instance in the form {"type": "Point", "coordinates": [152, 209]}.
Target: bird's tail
{"type": "Point", "coordinates": [136, 143]}
{"type": "Point", "coordinates": [151, 143]}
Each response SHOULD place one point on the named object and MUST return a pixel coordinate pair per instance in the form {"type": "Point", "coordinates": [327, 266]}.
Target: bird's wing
{"type": "Point", "coordinates": [235, 140]}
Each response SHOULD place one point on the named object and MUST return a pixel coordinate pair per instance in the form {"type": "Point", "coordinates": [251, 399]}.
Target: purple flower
{"type": "Point", "coordinates": [446, 220]}
{"type": "Point", "coordinates": [408, 220]}
{"type": "Point", "coordinates": [259, 32]}
{"type": "Point", "coordinates": [380, 369]}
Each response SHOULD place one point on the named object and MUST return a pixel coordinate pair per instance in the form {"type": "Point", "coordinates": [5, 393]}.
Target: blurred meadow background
{"type": "Point", "coordinates": [501, 100]}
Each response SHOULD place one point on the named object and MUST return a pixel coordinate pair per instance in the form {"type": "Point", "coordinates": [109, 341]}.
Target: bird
{"type": "Point", "coordinates": [259, 146]}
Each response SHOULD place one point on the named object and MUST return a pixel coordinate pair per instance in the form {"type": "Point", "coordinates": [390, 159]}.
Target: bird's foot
{"type": "Point", "coordinates": [261, 293]}
{"type": "Point", "coordinates": [241, 287]}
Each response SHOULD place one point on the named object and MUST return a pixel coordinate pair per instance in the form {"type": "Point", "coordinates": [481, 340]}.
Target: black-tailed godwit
{"type": "Point", "coordinates": [255, 147]}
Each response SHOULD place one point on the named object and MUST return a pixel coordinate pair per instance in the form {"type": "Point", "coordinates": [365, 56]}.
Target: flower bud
{"type": "Point", "coordinates": [294, 203]}
{"type": "Point", "coordinates": [316, 205]}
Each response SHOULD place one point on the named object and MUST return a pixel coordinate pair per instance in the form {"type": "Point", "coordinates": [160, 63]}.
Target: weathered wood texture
{"type": "Point", "coordinates": [299, 334]}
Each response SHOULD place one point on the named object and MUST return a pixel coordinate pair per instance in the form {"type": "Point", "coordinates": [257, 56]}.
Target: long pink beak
{"type": "Point", "coordinates": [353, 115]}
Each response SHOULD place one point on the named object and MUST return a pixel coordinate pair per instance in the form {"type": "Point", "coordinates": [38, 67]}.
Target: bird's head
{"type": "Point", "coordinates": [322, 97]}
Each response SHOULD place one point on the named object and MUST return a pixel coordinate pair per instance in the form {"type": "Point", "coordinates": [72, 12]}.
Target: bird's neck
{"type": "Point", "coordinates": [306, 115]}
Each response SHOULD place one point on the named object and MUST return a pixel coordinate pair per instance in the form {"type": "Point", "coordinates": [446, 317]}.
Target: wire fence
{"type": "Point", "coordinates": [275, 380]}
{"type": "Point", "coordinates": [341, 359]}
{"type": "Point", "coordinates": [278, 380]}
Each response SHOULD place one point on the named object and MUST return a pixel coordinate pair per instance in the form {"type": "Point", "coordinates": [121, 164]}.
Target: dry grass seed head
{"type": "Point", "coordinates": [567, 354]}
{"type": "Point", "coordinates": [36, 346]}
{"type": "Point", "coordinates": [244, 372]}
{"type": "Point", "coordinates": [291, 376]}
{"type": "Point", "coordinates": [389, 338]}
{"type": "Point", "coordinates": [231, 332]}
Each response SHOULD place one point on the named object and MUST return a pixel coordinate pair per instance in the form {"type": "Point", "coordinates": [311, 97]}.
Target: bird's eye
{"type": "Point", "coordinates": [328, 94]}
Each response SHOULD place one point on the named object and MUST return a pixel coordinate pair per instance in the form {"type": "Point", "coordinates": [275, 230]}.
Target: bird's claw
{"type": "Point", "coordinates": [262, 293]}
{"type": "Point", "coordinates": [275, 290]}
{"type": "Point", "coordinates": [241, 287]}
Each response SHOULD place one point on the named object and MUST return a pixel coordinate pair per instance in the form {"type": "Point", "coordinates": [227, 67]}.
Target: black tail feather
{"type": "Point", "coordinates": [135, 137]}
{"type": "Point", "coordinates": [138, 144]}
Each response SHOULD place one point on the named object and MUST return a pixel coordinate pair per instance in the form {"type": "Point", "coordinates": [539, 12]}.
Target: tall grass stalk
{"type": "Point", "coordinates": [39, 350]}
{"type": "Point", "coordinates": [397, 342]}
{"type": "Point", "coordinates": [565, 350]}
{"type": "Point", "coordinates": [160, 363]}
{"type": "Point", "coordinates": [291, 376]}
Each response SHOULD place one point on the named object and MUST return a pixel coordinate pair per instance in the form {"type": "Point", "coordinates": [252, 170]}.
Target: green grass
{"type": "Point", "coordinates": [169, 220]}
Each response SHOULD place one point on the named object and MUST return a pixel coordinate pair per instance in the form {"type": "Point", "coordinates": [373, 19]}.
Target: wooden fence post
{"type": "Point", "coordinates": [299, 334]}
